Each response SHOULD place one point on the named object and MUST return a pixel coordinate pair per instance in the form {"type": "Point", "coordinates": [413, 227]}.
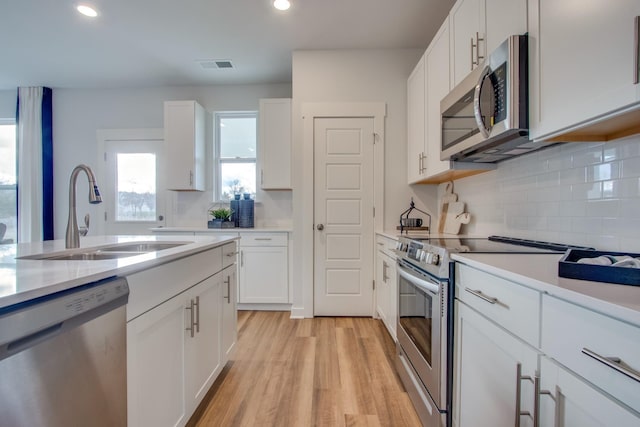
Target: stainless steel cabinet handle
{"type": "Point", "coordinates": [519, 379]}
{"type": "Point", "coordinates": [192, 318]}
{"type": "Point", "coordinates": [384, 271]}
{"type": "Point", "coordinates": [557, 399]}
{"type": "Point", "coordinates": [478, 56]}
{"type": "Point", "coordinates": [241, 259]}
{"type": "Point", "coordinates": [614, 363]}
{"type": "Point", "coordinates": [228, 282]}
{"type": "Point", "coordinates": [473, 62]}
{"type": "Point", "coordinates": [197, 309]}
{"type": "Point", "coordinates": [232, 254]}
{"type": "Point", "coordinates": [636, 51]}
{"type": "Point", "coordinates": [263, 238]}
{"type": "Point", "coordinates": [479, 294]}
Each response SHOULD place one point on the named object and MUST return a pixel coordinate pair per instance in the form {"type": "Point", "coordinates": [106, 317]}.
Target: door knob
{"type": "Point", "coordinates": [320, 227]}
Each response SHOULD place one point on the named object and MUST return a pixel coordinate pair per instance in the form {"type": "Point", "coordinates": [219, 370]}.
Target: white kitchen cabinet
{"type": "Point", "coordinates": [184, 133]}
{"type": "Point", "coordinates": [386, 284]}
{"type": "Point", "coordinates": [202, 338]}
{"type": "Point", "coordinates": [416, 96]}
{"type": "Point", "coordinates": [427, 85]}
{"type": "Point", "coordinates": [264, 268]}
{"type": "Point", "coordinates": [229, 311]}
{"type": "Point", "coordinates": [478, 27]}
{"type": "Point", "coordinates": [583, 69]}
{"type": "Point", "coordinates": [155, 362]}
{"type": "Point", "coordinates": [567, 400]}
{"type": "Point", "coordinates": [274, 144]}
{"type": "Point", "coordinates": [494, 374]}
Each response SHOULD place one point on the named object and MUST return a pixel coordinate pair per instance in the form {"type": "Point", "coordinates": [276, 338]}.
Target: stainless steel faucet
{"type": "Point", "coordinates": [73, 234]}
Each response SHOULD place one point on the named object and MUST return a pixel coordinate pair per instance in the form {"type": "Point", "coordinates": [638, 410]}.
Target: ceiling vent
{"type": "Point", "coordinates": [216, 64]}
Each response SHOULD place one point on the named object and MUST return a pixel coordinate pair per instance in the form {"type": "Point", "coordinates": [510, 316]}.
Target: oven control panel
{"type": "Point", "coordinates": [416, 251]}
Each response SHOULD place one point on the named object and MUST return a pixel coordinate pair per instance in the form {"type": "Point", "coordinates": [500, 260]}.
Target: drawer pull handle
{"type": "Point", "coordinates": [557, 400]}
{"type": "Point", "coordinates": [614, 363]}
{"type": "Point", "coordinates": [262, 238]}
{"type": "Point", "coordinates": [519, 379]}
{"type": "Point", "coordinates": [230, 254]}
{"type": "Point", "coordinates": [479, 294]}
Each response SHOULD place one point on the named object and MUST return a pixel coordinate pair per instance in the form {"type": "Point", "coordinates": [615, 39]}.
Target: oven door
{"type": "Point", "coordinates": [420, 318]}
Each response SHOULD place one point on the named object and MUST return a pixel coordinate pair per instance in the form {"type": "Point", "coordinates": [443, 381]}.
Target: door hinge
{"type": "Point", "coordinates": [105, 156]}
{"type": "Point", "coordinates": [105, 216]}
{"type": "Point", "coordinates": [375, 136]}
{"type": "Point", "coordinates": [374, 285]}
{"type": "Point", "coordinates": [374, 211]}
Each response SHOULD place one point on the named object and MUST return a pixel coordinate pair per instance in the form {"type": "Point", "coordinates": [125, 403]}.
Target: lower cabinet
{"type": "Point", "coordinates": [386, 286]}
{"type": "Point", "coordinates": [176, 349]}
{"type": "Point", "coordinates": [495, 371]}
{"type": "Point", "coordinates": [568, 401]}
{"type": "Point", "coordinates": [264, 271]}
{"type": "Point", "coordinates": [229, 311]}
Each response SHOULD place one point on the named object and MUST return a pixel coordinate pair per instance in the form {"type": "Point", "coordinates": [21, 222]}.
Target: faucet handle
{"type": "Point", "coordinates": [84, 230]}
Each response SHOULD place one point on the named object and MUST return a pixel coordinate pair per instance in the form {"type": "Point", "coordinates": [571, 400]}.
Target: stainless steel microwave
{"type": "Point", "coordinates": [484, 118]}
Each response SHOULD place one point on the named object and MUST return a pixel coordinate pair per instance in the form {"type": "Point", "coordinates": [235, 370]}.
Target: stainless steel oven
{"type": "Point", "coordinates": [422, 340]}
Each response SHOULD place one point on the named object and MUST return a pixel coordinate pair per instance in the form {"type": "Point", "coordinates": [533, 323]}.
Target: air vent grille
{"type": "Point", "coordinates": [216, 64]}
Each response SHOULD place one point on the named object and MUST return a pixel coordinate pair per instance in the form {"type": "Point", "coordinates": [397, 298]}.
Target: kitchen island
{"type": "Point", "coordinates": [181, 319]}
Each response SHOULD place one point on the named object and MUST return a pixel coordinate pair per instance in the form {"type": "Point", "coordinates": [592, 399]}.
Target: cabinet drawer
{"type": "Point", "coordinates": [576, 336]}
{"type": "Point", "coordinates": [229, 254]}
{"type": "Point", "coordinates": [514, 307]}
{"type": "Point", "coordinates": [386, 245]}
{"type": "Point", "coordinates": [263, 239]}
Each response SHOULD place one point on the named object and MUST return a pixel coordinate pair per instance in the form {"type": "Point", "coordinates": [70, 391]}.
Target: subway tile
{"type": "Point", "coordinates": [573, 208]}
{"type": "Point", "coordinates": [603, 208]}
{"type": "Point", "coordinates": [603, 242]}
{"type": "Point", "coordinates": [588, 191]}
{"type": "Point", "coordinates": [631, 167]}
{"type": "Point", "coordinates": [558, 223]}
{"type": "Point", "coordinates": [628, 244]}
{"type": "Point", "coordinates": [549, 179]}
{"type": "Point", "coordinates": [586, 225]}
{"type": "Point", "coordinates": [590, 155]}
{"type": "Point", "coordinates": [630, 208]}
{"type": "Point", "coordinates": [573, 176]}
{"type": "Point", "coordinates": [603, 171]}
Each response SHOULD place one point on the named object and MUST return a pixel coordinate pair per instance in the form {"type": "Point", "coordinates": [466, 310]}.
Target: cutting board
{"type": "Point", "coordinates": [454, 218]}
{"type": "Point", "coordinates": [447, 198]}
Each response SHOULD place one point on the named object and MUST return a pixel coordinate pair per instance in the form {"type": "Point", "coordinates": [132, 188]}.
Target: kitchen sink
{"type": "Point", "coordinates": [115, 251]}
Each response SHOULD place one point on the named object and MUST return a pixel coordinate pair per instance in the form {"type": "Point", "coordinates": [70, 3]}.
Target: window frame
{"type": "Point", "coordinates": [12, 187]}
{"type": "Point", "coordinates": [218, 160]}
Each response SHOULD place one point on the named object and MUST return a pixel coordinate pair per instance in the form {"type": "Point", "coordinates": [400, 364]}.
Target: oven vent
{"type": "Point", "coordinates": [216, 64]}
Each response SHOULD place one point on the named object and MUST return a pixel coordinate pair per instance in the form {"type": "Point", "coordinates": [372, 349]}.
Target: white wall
{"type": "Point", "coordinates": [355, 76]}
{"type": "Point", "coordinates": [580, 193]}
{"type": "Point", "coordinates": [8, 104]}
{"type": "Point", "coordinates": [78, 114]}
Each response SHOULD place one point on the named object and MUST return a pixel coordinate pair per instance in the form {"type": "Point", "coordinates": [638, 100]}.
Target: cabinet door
{"type": "Point", "coordinates": [416, 123]}
{"type": "Point", "coordinates": [499, 28]}
{"type": "Point", "coordinates": [203, 343]}
{"type": "Point", "coordinates": [597, 77]}
{"type": "Point", "coordinates": [382, 288]}
{"type": "Point", "coordinates": [229, 312]}
{"type": "Point", "coordinates": [437, 85]}
{"type": "Point", "coordinates": [494, 374]}
{"type": "Point", "coordinates": [467, 26]}
{"type": "Point", "coordinates": [567, 401]}
{"type": "Point", "coordinates": [274, 144]}
{"type": "Point", "coordinates": [264, 274]}
{"type": "Point", "coordinates": [184, 125]}
{"type": "Point", "coordinates": [155, 363]}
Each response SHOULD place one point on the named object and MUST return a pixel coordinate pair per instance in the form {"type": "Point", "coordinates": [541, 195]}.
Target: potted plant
{"type": "Point", "coordinates": [221, 218]}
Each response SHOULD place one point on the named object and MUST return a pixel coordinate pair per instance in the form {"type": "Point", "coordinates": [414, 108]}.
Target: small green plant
{"type": "Point", "coordinates": [221, 213]}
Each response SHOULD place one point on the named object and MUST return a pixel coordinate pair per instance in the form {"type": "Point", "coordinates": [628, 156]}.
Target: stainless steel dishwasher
{"type": "Point", "coordinates": [63, 358]}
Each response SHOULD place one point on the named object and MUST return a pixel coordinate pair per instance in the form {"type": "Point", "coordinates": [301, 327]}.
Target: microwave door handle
{"type": "Point", "coordinates": [477, 109]}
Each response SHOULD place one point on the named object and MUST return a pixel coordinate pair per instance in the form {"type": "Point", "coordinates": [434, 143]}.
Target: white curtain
{"type": "Point", "coordinates": [29, 134]}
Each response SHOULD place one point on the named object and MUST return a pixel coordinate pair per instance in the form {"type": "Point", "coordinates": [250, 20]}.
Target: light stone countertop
{"type": "Point", "coordinates": [22, 280]}
{"type": "Point", "coordinates": [540, 271]}
{"type": "Point", "coordinates": [220, 230]}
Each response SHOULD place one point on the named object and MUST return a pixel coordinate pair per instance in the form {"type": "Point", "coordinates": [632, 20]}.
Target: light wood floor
{"type": "Point", "coordinates": [309, 372]}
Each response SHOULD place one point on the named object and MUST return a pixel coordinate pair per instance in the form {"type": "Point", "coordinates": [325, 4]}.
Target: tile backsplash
{"type": "Point", "coordinates": [581, 193]}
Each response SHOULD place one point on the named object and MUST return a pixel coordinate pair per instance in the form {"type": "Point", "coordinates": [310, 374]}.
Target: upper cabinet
{"type": "Point", "coordinates": [428, 83]}
{"type": "Point", "coordinates": [274, 144]}
{"type": "Point", "coordinates": [478, 27]}
{"type": "Point", "coordinates": [584, 69]}
{"type": "Point", "coordinates": [184, 134]}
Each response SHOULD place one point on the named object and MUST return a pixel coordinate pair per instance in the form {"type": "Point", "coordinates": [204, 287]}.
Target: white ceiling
{"type": "Point", "coordinates": [157, 42]}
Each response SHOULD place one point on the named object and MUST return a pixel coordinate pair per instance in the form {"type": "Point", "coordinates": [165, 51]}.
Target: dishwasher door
{"type": "Point", "coordinates": [63, 358]}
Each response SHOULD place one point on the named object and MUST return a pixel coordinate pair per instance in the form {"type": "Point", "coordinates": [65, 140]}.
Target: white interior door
{"type": "Point", "coordinates": [132, 184]}
{"type": "Point", "coordinates": [343, 216]}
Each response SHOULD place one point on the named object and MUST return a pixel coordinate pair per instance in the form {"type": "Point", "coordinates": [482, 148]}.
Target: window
{"type": "Point", "coordinates": [8, 189]}
{"type": "Point", "coordinates": [136, 187]}
{"type": "Point", "coordinates": [235, 150]}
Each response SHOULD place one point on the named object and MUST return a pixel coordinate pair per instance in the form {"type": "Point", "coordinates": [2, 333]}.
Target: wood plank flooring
{"type": "Point", "coordinates": [308, 372]}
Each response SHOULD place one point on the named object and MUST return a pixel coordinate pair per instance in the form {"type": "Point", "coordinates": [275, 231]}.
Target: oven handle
{"type": "Point", "coordinates": [420, 283]}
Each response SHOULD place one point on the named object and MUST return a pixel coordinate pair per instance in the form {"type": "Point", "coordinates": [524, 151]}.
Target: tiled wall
{"type": "Point", "coordinates": [580, 193]}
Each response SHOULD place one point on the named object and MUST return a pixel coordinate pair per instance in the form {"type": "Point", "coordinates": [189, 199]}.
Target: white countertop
{"type": "Point", "coordinates": [219, 230]}
{"type": "Point", "coordinates": [540, 271]}
{"type": "Point", "coordinates": [22, 280]}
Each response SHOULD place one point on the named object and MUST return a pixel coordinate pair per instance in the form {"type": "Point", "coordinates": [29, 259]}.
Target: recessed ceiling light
{"type": "Point", "coordinates": [281, 4]}
{"type": "Point", "coordinates": [87, 10]}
